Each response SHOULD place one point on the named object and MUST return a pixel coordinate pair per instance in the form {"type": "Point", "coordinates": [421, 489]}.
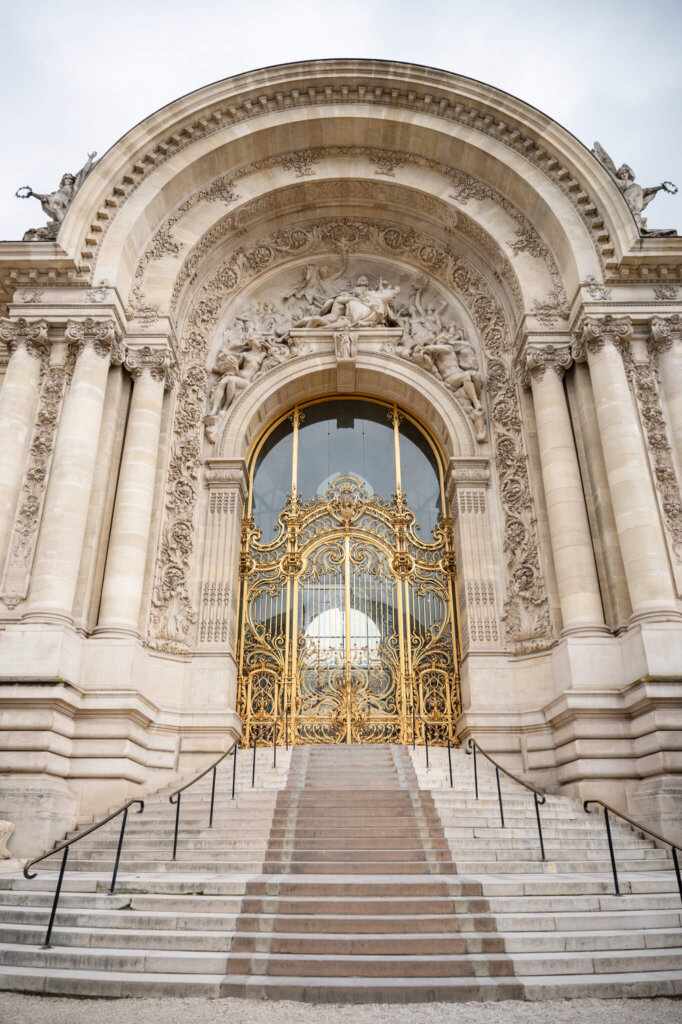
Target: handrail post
{"type": "Point", "coordinates": [473, 746]}
{"type": "Point", "coordinates": [286, 726]}
{"type": "Point", "coordinates": [414, 728]}
{"type": "Point", "coordinates": [426, 742]}
{"type": "Point", "coordinates": [499, 795]}
{"type": "Point", "coordinates": [210, 817]}
{"type": "Point", "coordinates": [677, 870]}
{"type": "Point", "coordinates": [118, 851]}
{"type": "Point", "coordinates": [449, 759]}
{"type": "Point", "coordinates": [234, 767]}
{"type": "Point", "coordinates": [274, 744]}
{"type": "Point", "coordinates": [537, 815]}
{"type": "Point", "coordinates": [46, 944]}
{"type": "Point", "coordinates": [253, 767]}
{"type": "Point", "coordinates": [177, 823]}
{"type": "Point", "coordinates": [613, 857]}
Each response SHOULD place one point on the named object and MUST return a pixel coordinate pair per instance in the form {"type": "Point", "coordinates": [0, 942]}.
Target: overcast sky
{"type": "Point", "coordinates": [77, 74]}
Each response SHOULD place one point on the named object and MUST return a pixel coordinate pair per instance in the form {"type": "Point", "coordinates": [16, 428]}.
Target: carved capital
{"type": "Point", "coordinates": [100, 335]}
{"type": "Point", "coordinates": [31, 334]}
{"type": "Point", "coordinates": [596, 331]}
{"type": "Point", "coordinates": [157, 362]}
{"type": "Point", "coordinates": [551, 357]}
{"type": "Point", "coordinates": [664, 331]}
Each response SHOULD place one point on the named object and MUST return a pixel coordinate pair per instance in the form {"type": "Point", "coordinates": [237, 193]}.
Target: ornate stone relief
{"type": "Point", "coordinates": [155, 361]}
{"type": "Point", "coordinates": [102, 335]}
{"type": "Point", "coordinates": [548, 357]}
{"type": "Point", "coordinates": [54, 383]}
{"type": "Point", "coordinates": [387, 162]}
{"type": "Point", "coordinates": [645, 382]}
{"type": "Point", "coordinates": [595, 289]}
{"type": "Point", "coordinates": [527, 240]}
{"type": "Point", "coordinates": [595, 330]}
{"type": "Point", "coordinates": [664, 330]}
{"type": "Point", "coordinates": [666, 292]}
{"type": "Point", "coordinates": [30, 334]}
{"type": "Point", "coordinates": [526, 611]}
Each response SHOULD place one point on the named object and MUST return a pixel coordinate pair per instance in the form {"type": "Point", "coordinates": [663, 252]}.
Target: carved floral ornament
{"type": "Point", "coordinates": [100, 335]}
{"type": "Point", "coordinates": [465, 188]}
{"type": "Point", "coordinates": [526, 609]}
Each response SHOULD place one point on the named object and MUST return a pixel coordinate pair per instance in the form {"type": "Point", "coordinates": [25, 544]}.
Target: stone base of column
{"type": "Point", "coordinates": [115, 633]}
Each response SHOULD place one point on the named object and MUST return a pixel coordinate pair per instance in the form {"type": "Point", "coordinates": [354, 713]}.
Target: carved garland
{"type": "Point", "coordinates": [526, 610]}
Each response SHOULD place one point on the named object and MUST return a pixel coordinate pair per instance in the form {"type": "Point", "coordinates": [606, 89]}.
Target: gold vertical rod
{"type": "Point", "coordinates": [294, 453]}
{"type": "Point", "coordinates": [396, 448]}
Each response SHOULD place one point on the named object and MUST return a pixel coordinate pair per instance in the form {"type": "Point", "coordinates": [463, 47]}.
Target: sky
{"type": "Point", "coordinates": [78, 74]}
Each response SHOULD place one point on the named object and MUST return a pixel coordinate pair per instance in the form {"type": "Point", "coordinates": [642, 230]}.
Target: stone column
{"type": "Point", "coordinates": [55, 570]}
{"type": "Point", "coordinates": [129, 540]}
{"type": "Point", "coordinates": [227, 483]}
{"type": "Point", "coordinates": [569, 529]}
{"type": "Point", "coordinates": [18, 402]}
{"type": "Point", "coordinates": [666, 341]}
{"type": "Point", "coordinates": [634, 503]}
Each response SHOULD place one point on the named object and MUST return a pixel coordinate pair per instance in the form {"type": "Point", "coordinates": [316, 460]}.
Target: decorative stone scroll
{"type": "Point", "coordinates": [526, 608]}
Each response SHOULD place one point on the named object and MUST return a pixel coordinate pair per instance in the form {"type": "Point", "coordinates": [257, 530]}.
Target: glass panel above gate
{"type": "Point", "coordinates": [348, 619]}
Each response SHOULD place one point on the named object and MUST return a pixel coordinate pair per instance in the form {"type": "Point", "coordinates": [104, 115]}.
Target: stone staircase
{"type": "Point", "coordinates": [352, 874]}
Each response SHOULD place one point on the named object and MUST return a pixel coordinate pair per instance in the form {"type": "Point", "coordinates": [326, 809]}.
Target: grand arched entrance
{"type": "Point", "coordinates": [348, 628]}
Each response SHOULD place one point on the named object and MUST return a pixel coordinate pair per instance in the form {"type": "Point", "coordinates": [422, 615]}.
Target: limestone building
{"type": "Point", "coordinates": [342, 399]}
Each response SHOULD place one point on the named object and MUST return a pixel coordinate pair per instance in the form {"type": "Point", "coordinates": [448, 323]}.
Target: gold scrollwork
{"type": "Point", "coordinates": [348, 624]}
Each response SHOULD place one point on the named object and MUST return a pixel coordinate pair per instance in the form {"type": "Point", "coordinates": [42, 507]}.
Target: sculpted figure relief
{"type": "Point", "coordinates": [259, 337]}
{"type": "Point", "coordinates": [255, 342]}
{"type": "Point", "coordinates": [55, 204]}
{"type": "Point", "coordinates": [360, 306]}
{"type": "Point", "coordinates": [637, 197]}
{"type": "Point", "coordinates": [443, 350]}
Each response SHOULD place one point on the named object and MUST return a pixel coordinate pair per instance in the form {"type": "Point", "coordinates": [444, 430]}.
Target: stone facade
{"type": "Point", "coordinates": [321, 228]}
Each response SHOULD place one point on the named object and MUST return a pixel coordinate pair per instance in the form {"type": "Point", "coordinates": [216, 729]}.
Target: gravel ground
{"type": "Point", "coordinates": [20, 1009]}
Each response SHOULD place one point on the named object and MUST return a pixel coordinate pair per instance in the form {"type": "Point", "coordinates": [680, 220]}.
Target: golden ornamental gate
{"type": "Point", "coordinates": [348, 625]}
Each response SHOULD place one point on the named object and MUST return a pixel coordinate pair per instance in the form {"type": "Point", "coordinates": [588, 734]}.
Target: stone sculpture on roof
{"type": "Point", "coordinates": [55, 204]}
{"type": "Point", "coordinates": [637, 197]}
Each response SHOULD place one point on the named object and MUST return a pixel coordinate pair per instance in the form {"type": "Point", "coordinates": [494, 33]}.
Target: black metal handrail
{"type": "Point", "coordinates": [538, 796]}
{"type": "Point", "coordinates": [641, 828]}
{"type": "Point", "coordinates": [65, 846]}
{"type": "Point", "coordinates": [426, 740]}
{"type": "Point", "coordinates": [211, 768]}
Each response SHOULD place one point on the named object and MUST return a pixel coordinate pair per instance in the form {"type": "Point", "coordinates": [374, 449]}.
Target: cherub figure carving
{"type": "Point", "coordinates": [55, 204]}
{"type": "Point", "coordinates": [637, 197]}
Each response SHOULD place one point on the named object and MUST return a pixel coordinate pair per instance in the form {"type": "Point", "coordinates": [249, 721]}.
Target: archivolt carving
{"type": "Point", "coordinates": [237, 110]}
{"type": "Point", "coordinates": [526, 612]}
{"type": "Point", "coordinates": [465, 187]}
